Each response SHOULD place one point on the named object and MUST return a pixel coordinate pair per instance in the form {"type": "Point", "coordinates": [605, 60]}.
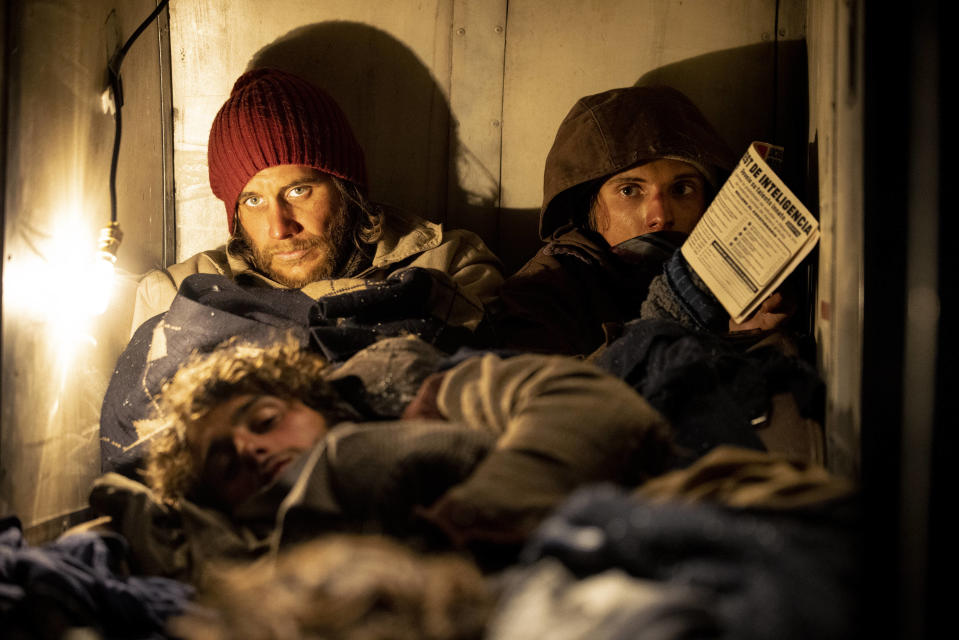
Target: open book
{"type": "Point", "coordinates": [752, 236]}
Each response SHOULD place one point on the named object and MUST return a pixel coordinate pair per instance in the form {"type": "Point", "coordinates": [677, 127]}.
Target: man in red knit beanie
{"type": "Point", "coordinates": [292, 176]}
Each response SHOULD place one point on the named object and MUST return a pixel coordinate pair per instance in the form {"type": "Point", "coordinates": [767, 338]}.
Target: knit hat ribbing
{"type": "Point", "coordinates": [273, 118]}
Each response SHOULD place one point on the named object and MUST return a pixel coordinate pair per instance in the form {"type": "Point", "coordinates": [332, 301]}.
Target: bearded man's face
{"type": "Point", "coordinates": [293, 219]}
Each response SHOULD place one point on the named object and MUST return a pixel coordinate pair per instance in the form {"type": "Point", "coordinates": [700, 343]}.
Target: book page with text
{"type": "Point", "coordinates": [755, 232]}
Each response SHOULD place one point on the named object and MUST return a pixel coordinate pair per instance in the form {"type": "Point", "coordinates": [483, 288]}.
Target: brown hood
{"type": "Point", "coordinates": [609, 132]}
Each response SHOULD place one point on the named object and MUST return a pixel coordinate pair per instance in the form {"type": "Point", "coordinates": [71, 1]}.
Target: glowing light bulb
{"type": "Point", "coordinates": [100, 285]}
{"type": "Point", "coordinates": [102, 269]}
{"type": "Point", "coordinates": [82, 279]}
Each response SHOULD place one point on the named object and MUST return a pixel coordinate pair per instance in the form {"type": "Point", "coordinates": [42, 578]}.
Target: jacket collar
{"type": "Point", "coordinates": [404, 236]}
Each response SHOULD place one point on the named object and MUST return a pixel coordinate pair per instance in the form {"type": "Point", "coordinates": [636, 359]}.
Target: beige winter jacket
{"type": "Point", "coordinates": [474, 272]}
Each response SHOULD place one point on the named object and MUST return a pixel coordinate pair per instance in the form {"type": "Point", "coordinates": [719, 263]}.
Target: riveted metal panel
{"type": "Point", "coordinates": [476, 99]}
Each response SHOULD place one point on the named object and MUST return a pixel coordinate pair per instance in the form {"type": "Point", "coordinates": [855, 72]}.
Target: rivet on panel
{"type": "Point", "coordinates": [495, 123]}
{"type": "Point", "coordinates": [765, 37]}
{"type": "Point", "coordinates": [782, 32]}
{"type": "Point", "coordinates": [461, 31]}
{"type": "Point", "coordinates": [498, 28]}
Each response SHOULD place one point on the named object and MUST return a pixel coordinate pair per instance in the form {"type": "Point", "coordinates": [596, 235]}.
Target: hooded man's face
{"type": "Point", "coordinates": [662, 195]}
{"type": "Point", "coordinates": [292, 217]}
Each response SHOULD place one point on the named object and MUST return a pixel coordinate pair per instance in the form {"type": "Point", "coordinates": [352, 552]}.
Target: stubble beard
{"type": "Point", "coordinates": [333, 247]}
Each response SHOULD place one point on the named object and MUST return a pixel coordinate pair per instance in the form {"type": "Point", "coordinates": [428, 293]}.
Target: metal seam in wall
{"type": "Point", "coordinates": [476, 99]}
{"type": "Point", "coordinates": [503, 30]}
{"type": "Point", "coordinates": [168, 214]}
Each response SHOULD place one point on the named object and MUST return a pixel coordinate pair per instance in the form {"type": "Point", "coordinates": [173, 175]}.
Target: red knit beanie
{"type": "Point", "coordinates": [273, 118]}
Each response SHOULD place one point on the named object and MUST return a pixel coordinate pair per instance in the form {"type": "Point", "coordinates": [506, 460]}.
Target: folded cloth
{"type": "Point", "coordinates": [712, 392]}
{"type": "Point", "coordinates": [79, 581]}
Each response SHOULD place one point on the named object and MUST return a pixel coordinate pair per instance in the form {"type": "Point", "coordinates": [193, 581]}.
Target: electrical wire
{"type": "Point", "coordinates": [116, 86]}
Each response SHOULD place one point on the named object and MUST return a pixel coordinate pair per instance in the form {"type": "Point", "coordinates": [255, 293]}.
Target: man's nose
{"type": "Point", "coordinates": [283, 223]}
{"type": "Point", "coordinates": [250, 445]}
{"type": "Point", "coordinates": [658, 212]}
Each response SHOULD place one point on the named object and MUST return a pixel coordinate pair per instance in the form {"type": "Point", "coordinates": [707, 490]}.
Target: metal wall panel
{"type": "Point", "coordinates": [836, 136]}
{"type": "Point", "coordinates": [476, 101]}
{"type": "Point", "coordinates": [56, 361]}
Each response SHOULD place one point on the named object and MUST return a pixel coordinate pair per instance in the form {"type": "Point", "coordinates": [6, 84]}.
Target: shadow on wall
{"type": "Point", "coordinates": [403, 121]}
{"type": "Point", "coordinates": [756, 92]}
{"type": "Point", "coordinates": [396, 108]}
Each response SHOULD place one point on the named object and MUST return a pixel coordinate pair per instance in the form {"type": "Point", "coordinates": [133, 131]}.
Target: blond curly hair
{"type": "Point", "coordinates": [284, 369]}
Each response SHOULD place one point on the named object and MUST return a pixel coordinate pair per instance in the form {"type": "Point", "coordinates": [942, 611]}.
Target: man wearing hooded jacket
{"type": "Point", "coordinates": [630, 173]}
